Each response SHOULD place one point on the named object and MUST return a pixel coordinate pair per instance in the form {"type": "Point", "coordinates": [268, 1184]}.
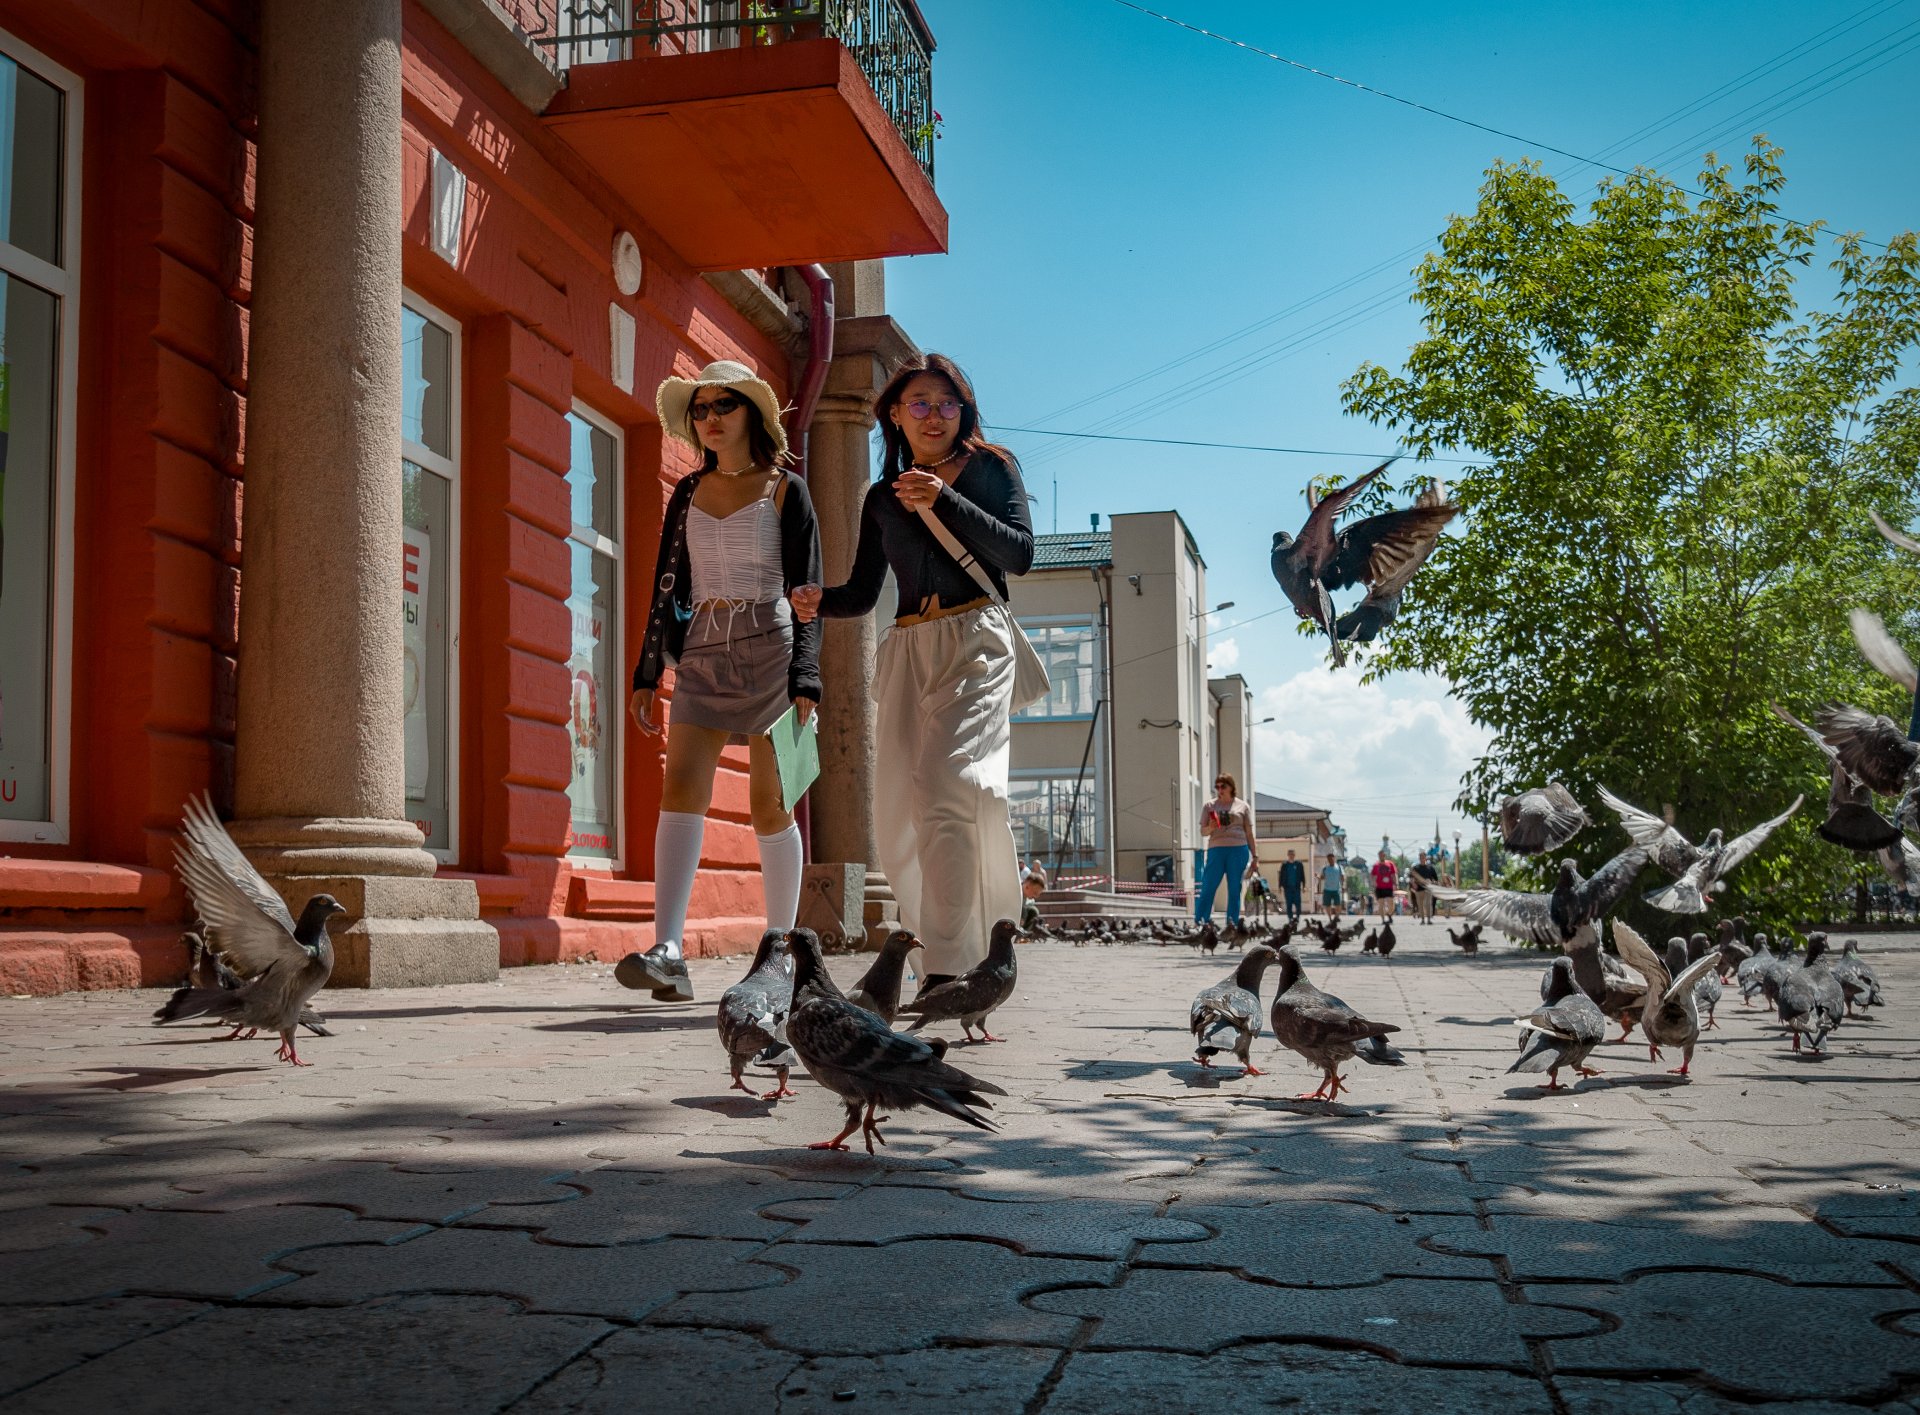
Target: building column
{"type": "Point", "coordinates": [320, 794]}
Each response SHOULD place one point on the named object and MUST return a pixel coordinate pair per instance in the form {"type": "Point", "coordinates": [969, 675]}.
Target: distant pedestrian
{"type": "Point", "coordinates": [1226, 825]}
{"type": "Point", "coordinates": [1033, 884]}
{"type": "Point", "coordinates": [1293, 882]}
{"type": "Point", "coordinates": [1331, 879]}
{"type": "Point", "coordinates": [1386, 879]}
{"type": "Point", "coordinates": [1257, 893]}
{"type": "Point", "coordinates": [1426, 878]}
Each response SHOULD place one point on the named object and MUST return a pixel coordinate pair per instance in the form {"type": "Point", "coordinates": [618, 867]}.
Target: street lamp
{"type": "Point", "coordinates": [1203, 613]}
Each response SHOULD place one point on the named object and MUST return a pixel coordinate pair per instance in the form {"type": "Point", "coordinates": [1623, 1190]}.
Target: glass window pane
{"type": "Point", "coordinates": [30, 153]}
{"type": "Point", "coordinates": [1070, 652]}
{"type": "Point", "coordinates": [426, 545]}
{"type": "Point", "coordinates": [426, 396]}
{"type": "Point", "coordinates": [590, 476]}
{"type": "Point", "coordinates": [29, 344]}
{"type": "Point", "coordinates": [595, 719]}
{"type": "Point", "coordinates": [1047, 823]}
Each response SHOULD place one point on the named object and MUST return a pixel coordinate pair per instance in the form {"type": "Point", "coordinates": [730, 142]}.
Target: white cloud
{"type": "Point", "coordinates": [1223, 657]}
{"type": "Point", "coordinates": [1385, 758]}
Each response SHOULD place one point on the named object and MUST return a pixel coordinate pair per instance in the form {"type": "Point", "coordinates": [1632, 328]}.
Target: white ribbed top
{"type": "Point", "coordinates": [736, 557]}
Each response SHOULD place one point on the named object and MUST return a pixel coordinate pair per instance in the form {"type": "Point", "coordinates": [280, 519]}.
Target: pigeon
{"type": "Point", "coordinates": [1563, 1030]}
{"type": "Point", "coordinates": [1857, 979]}
{"type": "Point", "coordinates": [1901, 863]}
{"type": "Point", "coordinates": [1882, 651]}
{"type": "Point", "coordinates": [282, 963]}
{"type": "Point", "coordinates": [1468, 939]}
{"type": "Point", "coordinates": [205, 969]}
{"type": "Point", "coordinates": [753, 1015]}
{"type": "Point", "coordinates": [1732, 949]}
{"type": "Point", "coordinates": [1556, 916]}
{"type": "Point", "coordinates": [1208, 940]}
{"type": "Point", "coordinates": [1227, 1015]}
{"type": "Point", "coordinates": [1894, 537]}
{"type": "Point", "coordinates": [975, 993]}
{"type": "Point", "coordinates": [1372, 944]}
{"type": "Point", "coordinates": [1695, 868]}
{"type": "Point", "coordinates": [1669, 1015]}
{"type": "Point", "coordinates": [1852, 823]}
{"type": "Point", "coordinates": [1810, 999]}
{"type": "Point", "coordinates": [1754, 975]}
{"type": "Point", "coordinates": [879, 987]}
{"type": "Point", "coordinates": [1381, 551]}
{"type": "Point", "coordinates": [1709, 990]}
{"type": "Point", "coordinates": [1877, 753]}
{"type": "Point", "coordinates": [867, 1064]}
{"type": "Point", "coordinates": [1324, 1029]}
{"type": "Point", "coordinates": [1331, 938]}
{"type": "Point", "coordinates": [1387, 941]}
{"type": "Point", "coordinates": [1540, 820]}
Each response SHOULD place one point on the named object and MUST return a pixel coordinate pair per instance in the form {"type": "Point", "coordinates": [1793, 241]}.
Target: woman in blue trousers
{"type": "Point", "coordinates": [1226, 824]}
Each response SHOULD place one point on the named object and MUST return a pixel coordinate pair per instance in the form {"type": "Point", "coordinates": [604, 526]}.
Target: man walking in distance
{"type": "Point", "coordinates": [1425, 878]}
{"type": "Point", "coordinates": [1386, 878]}
{"type": "Point", "coordinates": [1331, 878]}
{"type": "Point", "coordinates": [1293, 882]}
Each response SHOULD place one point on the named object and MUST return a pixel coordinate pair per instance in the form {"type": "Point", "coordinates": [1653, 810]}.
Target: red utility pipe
{"type": "Point", "coordinates": [812, 381]}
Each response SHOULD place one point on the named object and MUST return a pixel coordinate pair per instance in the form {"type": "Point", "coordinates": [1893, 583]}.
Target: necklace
{"type": "Point", "coordinates": [935, 466]}
{"type": "Point", "coordinates": [738, 471]}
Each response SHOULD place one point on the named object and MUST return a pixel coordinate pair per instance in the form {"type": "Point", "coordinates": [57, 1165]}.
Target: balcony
{"type": "Point", "coordinates": [756, 132]}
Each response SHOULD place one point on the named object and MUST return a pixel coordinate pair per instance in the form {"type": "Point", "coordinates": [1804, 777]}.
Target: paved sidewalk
{"type": "Point", "coordinates": [538, 1196]}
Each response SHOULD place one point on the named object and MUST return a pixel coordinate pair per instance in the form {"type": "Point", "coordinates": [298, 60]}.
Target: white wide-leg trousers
{"type": "Point", "coordinates": [945, 693]}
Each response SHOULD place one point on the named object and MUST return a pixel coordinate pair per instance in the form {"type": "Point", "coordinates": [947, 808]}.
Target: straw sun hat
{"type": "Point", "coordinates": [676, 395]}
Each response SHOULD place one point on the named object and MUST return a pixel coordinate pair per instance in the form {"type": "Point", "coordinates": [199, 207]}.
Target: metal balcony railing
{"type": "Point", "coordinates": [890, 45]}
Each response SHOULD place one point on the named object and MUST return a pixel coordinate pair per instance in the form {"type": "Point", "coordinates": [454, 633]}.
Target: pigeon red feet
{"type": "Point", "coordinates": [1589, 1070]}
{"type": "Point", "coordinates": [870, 1128]}
{"type": "Point", "coordinates": [838, 1142]}
{"type": "Point", "coordinates": [783, 1089]}
{"type": "Point", "coordinates": [1796, 1041]}
{"type": "Point", "coordinates": [1553, 1082]}
{"type": "Point", "coordinates": [251, 1032]}
{"type": "Point", "coordinates": [1680, 1070]}
{"type": "Point", "coordinates": [1251, 1070]}
{"type": "Point", "coordinates": [739, 1085]}
{"type": "Point", "coordinates": [987, 1036]}
{"type": "Point", "coordinates": [1653, 1052]}
{"type": "Point", "coordinates": [288, 1054]}
{"type": "Point", "coordinates": [1204, 1061]}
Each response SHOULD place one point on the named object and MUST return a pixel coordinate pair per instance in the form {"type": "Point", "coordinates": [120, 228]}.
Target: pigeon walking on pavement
{"type": "Point", "coordinates": [1709, 990]}
{"type": "Point", "coordinates": [753, 1015]}
{"type": "Point", "coordinates": [1810, 999]}
{"type": "Point", "coordinates": [1325, 1030]}
{"type": "Point", "coordinates": [206, 969]}
{"type": "Point", "coordinates": [1858, 981]}
{"type": "Point", "coordinates": [1563, 1030]}
{"type": "Point", "coordinates": [879, 987]}
{"type": "Point", "coordinates": [1669, 1015]}
{"type": "Point", "coordinates": [972, 997]}
{"type": "Point", "coordinates": [1696, 868]}
{"type": "Point", "coordinates": [1545, 818]}
{"type": "Point", "coordinates": [867, 1064]}
{"type": "Point", "coordinates": [1226, 1016]}
{"type": "Point", "coordinates": [283, 963]}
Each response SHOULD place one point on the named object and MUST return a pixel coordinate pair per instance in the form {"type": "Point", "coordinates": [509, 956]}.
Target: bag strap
{"type": "Point", "coordinates": [961, 554]}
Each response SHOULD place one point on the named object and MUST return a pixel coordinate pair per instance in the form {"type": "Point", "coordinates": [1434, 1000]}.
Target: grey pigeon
{"type": "Point", "coordinates": [753, 1015]}
{"type": "Point", "coordinates": [1618, 991]}
{"type": "Point", "coordinates": [1876, 752]}
{"type": "Point", "coordinates": [1882, 651]}
{"type": "Point", "coordinates": [1556, 916]}
{"type": "Point", "coordinates": [1227, 1015]}
{"type": "Point", "coordinates": [1754, 975]}
{"type": "Point", "coordinates": [1696, 868]}
{"type": "Point", "coordinates": [1732, 947]}
{"type": "Point", "coordinates": [1852, 823]}
{"type": "Point", "coordinates": [1857, 979]}
{"type": "Point", "coordinates": [1468, 939]}
{"type": "Point", "coordinates": [206, 969]}
{"type": "Point", "coordinates": [867, 1064]}
{"type": "Point", "coordinates": [1810, 999]}
{"type": "Point", "coordinates": [1371, 944]}
{"type": "Point", "coordinates": [1399, 548]}
{"type": "Point", "coordinates": [879, 987]}
{"type": "Point", "coordinates": [1324, 1029]}
{"type": "Point", "coordinates": [1540, 820]}
{"type": "Point", "coordinates": [1708, 991]}
{"type": "Point", "coordinates": [283, 964]}
{"type": "Point", "coordinates": [1563, 1030]}
{"type": "Point", "coordinates": [1387, 941]}
{"type": "Point", "coordinates": [1668, 1014]}
{"type": "Point", "coordinates": [1901, 863]}
{"type": "Point", "coordinates": [972, 997]}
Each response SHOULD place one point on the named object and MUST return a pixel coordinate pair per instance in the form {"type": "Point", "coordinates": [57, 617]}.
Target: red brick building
{"type": "Point", "coordinates": [589, 198]}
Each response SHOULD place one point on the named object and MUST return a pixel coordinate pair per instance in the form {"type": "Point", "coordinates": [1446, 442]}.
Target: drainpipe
{"type": "Point", "coordinates": [812, 382]}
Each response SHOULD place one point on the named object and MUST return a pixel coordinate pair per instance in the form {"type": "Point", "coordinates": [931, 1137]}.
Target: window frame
{"type": "Point", "coordinates": [601, 545]}
{"type": "Point", "coordinates": [1095, 818]}
{"type": "Point", "coordinates": [448, 467]}
{"type": "Point", "coordinates": [1091, 624]}
{"type": "Point", "coordinates": [63, 282]}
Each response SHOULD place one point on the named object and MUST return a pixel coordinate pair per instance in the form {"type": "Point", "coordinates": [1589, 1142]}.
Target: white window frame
{"type": "Point", "coordinates": [1090, 792]}
{"type": "Point", "coordinates": [1091, 624]}
{"type": "Point", "coordinates": [63, 282]}
{"type": "Point", "coordinates": [449, 467]}
{"type": "Point", "coordinates": [593, 540]}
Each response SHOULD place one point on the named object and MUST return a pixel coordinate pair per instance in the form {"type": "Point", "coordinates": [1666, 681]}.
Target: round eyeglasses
{"type": "Point", "coordinates": [948, 408]}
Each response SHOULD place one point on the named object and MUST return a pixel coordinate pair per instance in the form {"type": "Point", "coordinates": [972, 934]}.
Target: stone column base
{"type": "Point", "coordinates": [401, 932]}
{"type": "Point", "coordinates": [880, 910]}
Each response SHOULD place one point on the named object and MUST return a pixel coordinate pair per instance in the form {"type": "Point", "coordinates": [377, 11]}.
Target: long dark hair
{"type": "Point", "coordinates": [760, 444]}
{"type": "Point", "coordinates": [898, 455]}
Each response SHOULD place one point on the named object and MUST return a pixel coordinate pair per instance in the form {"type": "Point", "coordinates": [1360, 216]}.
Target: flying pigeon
{"type": "Point", "coordinates": [1556, 916]}
{"type": "Point", "coordinates": [1540, 820]}
{"type": "Point", "coordinates": [1227, 1015]}
{"type": "Point", "coordinates": [1468, 939]}
{"type": "Point", "coordinates": [1899, 538]}
{"type": "Point", "coordinates": [1563, 1030]}
{"type": "Point", "coordinates": [1810, 999]}
{"type": "Point", "coordinates": [879, 987]}
{"type": "Point", "coordinates": [973, 995]}
{"type": "Point", "coordinates": [1877, 753]}
{"type": "Point", "coordinates": [753, 1015]}
{"type": "Point", "coordinates": [1382, 552]}
{"type": "Point", "coordinates": [1879, 649]}
{"type": "Point", "coordinates": [1324, 1029]}
{"type": "Point", "coordinates": [283, 963]}
{"type": "Point", "coordinates": [1669, 1015]}
{"type": "Point", "coordinates": [859, 1058]}
{"type": "Point", "coordinates": [1852, 823]}
{"type": "Point", "coordinates": [1696, 868]}
{"type": "Point", "coordinates": [206, 969]}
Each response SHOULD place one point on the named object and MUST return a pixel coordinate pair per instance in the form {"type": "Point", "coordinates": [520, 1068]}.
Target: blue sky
{"type": "Point", "coordinates": [1125, 194]}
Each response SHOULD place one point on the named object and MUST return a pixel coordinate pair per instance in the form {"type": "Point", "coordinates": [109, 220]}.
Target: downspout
{"type": "Point", "coordinates": [811, 380]}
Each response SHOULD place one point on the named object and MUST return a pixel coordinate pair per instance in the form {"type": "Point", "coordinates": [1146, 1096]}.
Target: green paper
{"type": "Point", "coordinates": [796, 748]}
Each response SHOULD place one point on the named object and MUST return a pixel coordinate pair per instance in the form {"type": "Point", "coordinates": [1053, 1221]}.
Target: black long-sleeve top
{"type": "Point", "coordinates": [985, 508]}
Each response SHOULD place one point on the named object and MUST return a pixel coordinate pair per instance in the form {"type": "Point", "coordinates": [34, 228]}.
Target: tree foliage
{"type": "Point", "coordinates": [1666, 519]}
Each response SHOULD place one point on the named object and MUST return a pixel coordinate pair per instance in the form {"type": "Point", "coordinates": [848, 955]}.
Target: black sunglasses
{"type": "Point", "coordinates": [720, 407]}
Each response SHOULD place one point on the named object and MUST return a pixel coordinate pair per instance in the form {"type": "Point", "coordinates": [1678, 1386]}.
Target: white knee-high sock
{"type": "Point", "coordinates": [676, 858]}
{"type": "Point", "coordinates": [782, 860]}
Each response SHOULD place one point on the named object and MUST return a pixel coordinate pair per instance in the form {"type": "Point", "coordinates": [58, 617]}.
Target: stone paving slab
{"type": "Point", "coordinates": [1586, 1396]}
{"type": "Point", "coordinates": [41, 1342]}
{"type": "Point", "coordinates": [1066, 1229]}
{"type": "Point", "coordinates": [371, 1190]}
{"type": "Point", "coordinates": [629, 1206]}
{"type": "Point", "coordinates": [1322, 1244]}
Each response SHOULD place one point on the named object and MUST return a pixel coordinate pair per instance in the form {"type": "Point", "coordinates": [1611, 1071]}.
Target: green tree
{"type": "Point", "coordinates": [1666, 520]}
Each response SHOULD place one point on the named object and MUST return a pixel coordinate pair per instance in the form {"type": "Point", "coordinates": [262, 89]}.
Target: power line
{"type": "Point", "coordinates": [1224, 446]}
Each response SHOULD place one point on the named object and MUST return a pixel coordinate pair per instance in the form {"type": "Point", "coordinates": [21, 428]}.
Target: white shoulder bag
{"type": "Point", "coordinates": [1030, 680]}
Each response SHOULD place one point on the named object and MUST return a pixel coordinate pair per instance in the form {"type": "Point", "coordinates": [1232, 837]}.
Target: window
{"type": "Point", "coordinates": [39, 289]}
{"type": "Point", "coordinates": [581, 22]}
{"type": "Point", "coordinates": [429, 556]}
{"type": "Point", "coordinates": [1071, 652]}
{"type": "Point", "coordinates": [1046, 819]}
{"type": "Point", "coordinates": [593, 479]}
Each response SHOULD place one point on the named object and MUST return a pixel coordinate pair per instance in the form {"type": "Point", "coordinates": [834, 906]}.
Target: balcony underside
{"type": "Point", "coordinates": [771, 155]}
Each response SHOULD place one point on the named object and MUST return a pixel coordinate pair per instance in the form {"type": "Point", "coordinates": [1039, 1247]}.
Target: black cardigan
{"type": "Point", "coordinates": [985, 508]}
{"type": "Point", "coordinates": [673, 586]}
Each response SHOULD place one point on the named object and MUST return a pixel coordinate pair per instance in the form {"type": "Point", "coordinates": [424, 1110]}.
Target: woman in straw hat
{"type": "Point", "coordinates": [944, 676]}
{"type": "Point", "coordinates": [738, 535]}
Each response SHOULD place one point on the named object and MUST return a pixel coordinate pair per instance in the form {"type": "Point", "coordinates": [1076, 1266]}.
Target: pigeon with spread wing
{"type": "Point", "coordinates": [1545, 818]}
{"type": "Point", "coordinates": [1696, 868]}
